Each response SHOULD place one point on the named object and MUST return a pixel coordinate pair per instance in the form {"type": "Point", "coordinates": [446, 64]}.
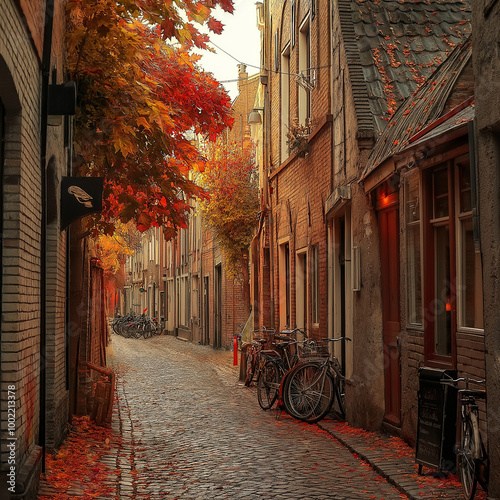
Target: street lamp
{"type": "Point", "coordinates": [254, 117]}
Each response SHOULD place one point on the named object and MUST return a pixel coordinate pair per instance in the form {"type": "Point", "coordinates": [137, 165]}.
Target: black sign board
{"type": "Point", "coordinates": [437, 405]}
{"type": "Point", "coordinates": [80, 196]}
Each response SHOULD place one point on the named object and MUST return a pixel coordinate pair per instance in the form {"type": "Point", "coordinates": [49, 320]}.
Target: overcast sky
{"type": "Point", "coordinates": [239, 42]}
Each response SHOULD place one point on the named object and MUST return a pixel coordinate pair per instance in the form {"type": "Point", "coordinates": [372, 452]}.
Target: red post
{"type": "Point", "coordinates": [235, 350]}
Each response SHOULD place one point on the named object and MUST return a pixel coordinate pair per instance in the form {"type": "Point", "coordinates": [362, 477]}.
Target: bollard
{"type": "Point", "coordinates": [235, 350]}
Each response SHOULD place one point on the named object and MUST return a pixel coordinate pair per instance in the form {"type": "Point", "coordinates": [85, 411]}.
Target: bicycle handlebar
{"type": "Point", "coordinates": [454, 381]}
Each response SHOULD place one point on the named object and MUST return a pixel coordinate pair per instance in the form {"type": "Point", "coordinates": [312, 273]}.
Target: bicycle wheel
{"type": "Point", "coordinates": [466, 462]}
{"type": "Point", "coordinates": [250, 364]}
{"type": "Point", "coordinates": [340, 395]}
{"type": "Point", "coordinates": [268, 384]}
{"type": "Point", "coordinates": [310, 392]}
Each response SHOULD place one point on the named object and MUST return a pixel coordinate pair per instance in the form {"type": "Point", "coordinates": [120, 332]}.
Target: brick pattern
{"type": "Point", "coordinates": [339, 151]}
{"type": "Point", "coordinates": [21, 212]}
{"type": "Point", "coordinates": [21, 25]}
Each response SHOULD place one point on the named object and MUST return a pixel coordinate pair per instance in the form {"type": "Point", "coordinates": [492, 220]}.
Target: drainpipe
{"type": "Point", "coordinates": [267, 155]}
{"type": "Point", "coordinates": [47, 51]}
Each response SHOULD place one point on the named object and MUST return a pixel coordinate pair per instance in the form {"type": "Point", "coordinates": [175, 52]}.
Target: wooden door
{"type": "Point", "coordinates": [206, 310]}
{"type": "Point", "coordinates": [218, 306]}
{"type": "Point", "coordinates": [388, 219]}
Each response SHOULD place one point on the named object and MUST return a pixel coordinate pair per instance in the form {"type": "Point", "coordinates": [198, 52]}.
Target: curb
{"type": "Point", "coordinates": [400, 472]}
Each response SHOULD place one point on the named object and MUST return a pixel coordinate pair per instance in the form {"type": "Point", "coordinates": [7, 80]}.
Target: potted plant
{"type": "Point", "coordinates": [298, 137]}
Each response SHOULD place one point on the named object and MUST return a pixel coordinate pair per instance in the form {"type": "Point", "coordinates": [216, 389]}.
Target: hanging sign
{"type": "Point", "coordinates": [80, 196]}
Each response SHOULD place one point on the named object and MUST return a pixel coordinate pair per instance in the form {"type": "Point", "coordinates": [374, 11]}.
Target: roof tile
{"type": "Point", "coordinates": [422, 107]}
{"type": "Point", "coordinates": [400, 43]}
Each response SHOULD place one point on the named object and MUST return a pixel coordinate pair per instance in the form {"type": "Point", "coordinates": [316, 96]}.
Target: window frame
{"type": "Point", "coordinates": [315, 286]}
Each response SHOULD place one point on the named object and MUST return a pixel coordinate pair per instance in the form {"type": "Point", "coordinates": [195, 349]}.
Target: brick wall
{"type": "Point", "coordinates": [21, 29]}
{"type": "Point", "coordinates": [20, 356]}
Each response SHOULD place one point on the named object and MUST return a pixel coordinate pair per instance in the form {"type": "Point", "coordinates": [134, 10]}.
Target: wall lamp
{"type": "Point", "coordinates": [254, 117]}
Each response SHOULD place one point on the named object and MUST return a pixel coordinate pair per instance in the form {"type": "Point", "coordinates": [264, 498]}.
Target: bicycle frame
{"type": "Point", "coordinates": [473, 458]}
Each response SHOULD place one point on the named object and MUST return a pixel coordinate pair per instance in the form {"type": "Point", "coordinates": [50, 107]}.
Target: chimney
{"type": "Point", "coordinates": [242, 76]}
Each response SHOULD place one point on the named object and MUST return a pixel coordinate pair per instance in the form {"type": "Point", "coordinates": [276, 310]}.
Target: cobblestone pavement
{"type": "Point", "coordinates": [190, 430]}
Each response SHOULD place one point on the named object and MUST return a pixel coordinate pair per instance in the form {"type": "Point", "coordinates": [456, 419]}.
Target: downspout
{"type": "Point", "coordinates": [46, 56]}
{"type": "Point", "coordinates": [267, 154]}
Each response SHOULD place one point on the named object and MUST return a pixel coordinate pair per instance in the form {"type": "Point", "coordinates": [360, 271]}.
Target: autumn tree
{"type": "Point", "coordinates": [231, 180]}
{"type": "Point", "coordinates": [141, 96]}
{"type": "Point", "coordinates": [112, 250]}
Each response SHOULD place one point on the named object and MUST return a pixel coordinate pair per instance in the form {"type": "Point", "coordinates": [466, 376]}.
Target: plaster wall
{"type": "Point", "coordinates": [486, 56]}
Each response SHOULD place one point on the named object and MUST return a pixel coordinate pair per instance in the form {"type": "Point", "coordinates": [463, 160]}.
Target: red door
{"type": "Point", "coordinates": [388, 218]}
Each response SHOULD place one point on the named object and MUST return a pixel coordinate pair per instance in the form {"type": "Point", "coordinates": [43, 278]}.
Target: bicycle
{"type": "Point", "coordinates": [253, 352]}
{"type": "Point", "coordinates": [276, 363]}
{"type": "Point", "coordinates": [473, 461]}
{"type": "Point", "coordinates": [310, 389]}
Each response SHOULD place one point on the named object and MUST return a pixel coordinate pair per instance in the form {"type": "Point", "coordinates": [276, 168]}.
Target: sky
{"type": "Point", "coordinates": [239, 42]}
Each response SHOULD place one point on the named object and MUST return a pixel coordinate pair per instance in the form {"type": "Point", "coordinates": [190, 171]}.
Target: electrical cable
{"type": "Point", "coordinates": [261, 68]}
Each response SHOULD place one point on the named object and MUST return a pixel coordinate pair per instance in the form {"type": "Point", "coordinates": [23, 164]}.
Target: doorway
{"type": "Point", "coordinates": [206, 310]}
{"type": "Point", "coordinates": [218, 306]}
{"type": "Point", "coordinates": [388, 221]}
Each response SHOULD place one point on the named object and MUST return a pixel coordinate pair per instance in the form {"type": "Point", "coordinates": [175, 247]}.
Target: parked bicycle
{"type": "Point", "coordinates": [310, 389]}
{"type": "Point", "coordinates": [132, 325]}
{"type": "Point", "coordinates": [261, 337]}
{"type": "Point", "coordinates": [473, 461]}
{"type": "Point", "coordinates": [276, 362]}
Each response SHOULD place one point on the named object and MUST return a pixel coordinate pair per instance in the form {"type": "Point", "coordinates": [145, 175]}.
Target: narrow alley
{"type": "Point", "coordinates": [197, 433]}
{"type": "Point", "coordinates": [184, 427]}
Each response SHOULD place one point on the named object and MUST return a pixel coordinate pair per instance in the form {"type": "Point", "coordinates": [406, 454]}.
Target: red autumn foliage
{"type": "Point", "coordinates": [77, 463]}
{"type": "Point", "coordinates": [140, 100]}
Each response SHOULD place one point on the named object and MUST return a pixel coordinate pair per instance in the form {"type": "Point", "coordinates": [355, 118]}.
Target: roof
{"type": "Point", "coordinates": [393, 46]}
{"type": "Point", "coordinates": [422, 108]}
{"type": "Point", "coordinates": [456, 119]}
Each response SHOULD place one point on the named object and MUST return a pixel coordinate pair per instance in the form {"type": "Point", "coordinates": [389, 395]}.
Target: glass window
{"type": "Point", "coordinates": [284, 284]}
{"type": "Point", "coordinates": [285, 102]}
{"type": "Point", "coordinates": [442, 291]}
{"type": "Point", "coordinates": [440, 192]}
{"type": "Point", "coordinates": [315, 284]}
{"type": "Point", "coordinates": [413, 255]}
{"type": "Point", "coordinates": [470, 285]}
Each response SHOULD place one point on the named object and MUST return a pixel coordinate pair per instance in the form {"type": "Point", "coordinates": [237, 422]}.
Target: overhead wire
{"type": "Point", "coordinates": [260, 68]}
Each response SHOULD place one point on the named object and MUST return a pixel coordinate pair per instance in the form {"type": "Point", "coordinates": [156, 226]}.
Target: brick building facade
{"type": "Point", "coordinates": [349, 237]}
{"type": "Point", "coordinates": [33, 158]}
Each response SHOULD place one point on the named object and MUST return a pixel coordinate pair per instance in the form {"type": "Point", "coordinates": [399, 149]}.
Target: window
{"type": "Point", "coordinates": [440, 227]}
{"type": "Point", "coordinates": [195, 297]}
{"type": "Point", "coordinates": [305, 73]}
{"type": "Point", "coordinates": [413, 255]}
{"type": "Point", "coordinates": [301, 289]}
{"type": "Point", "coordinates": [183, 301]}
{"type": "Point", "coordinates": [469, 280]}
{"type": "Point", "coordinates": [315, 298]}
{"type": "Point", "coordinates": [284, 284]}
{"type": "Point", "coordinates": [452, 281]}
{"type": "Point", "coordinates": [285, 102]}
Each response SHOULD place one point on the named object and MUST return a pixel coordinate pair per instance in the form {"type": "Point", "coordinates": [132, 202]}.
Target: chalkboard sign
{"type": "Point", "coordinates": [437, 405]}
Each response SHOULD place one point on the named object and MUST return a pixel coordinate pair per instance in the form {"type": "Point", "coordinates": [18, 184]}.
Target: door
{"type": "Point", "coordinates": [342, 275]}
{"type": "Point", "coordinates": [206, 310]}
{"type": "Point", "coordinates": [218, 306]}
{"type": "Point", "coordinates": [388, 219]}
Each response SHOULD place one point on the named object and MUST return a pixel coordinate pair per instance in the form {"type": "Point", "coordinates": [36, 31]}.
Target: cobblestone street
{"type": "Point", "coordinates": [190, 430]}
